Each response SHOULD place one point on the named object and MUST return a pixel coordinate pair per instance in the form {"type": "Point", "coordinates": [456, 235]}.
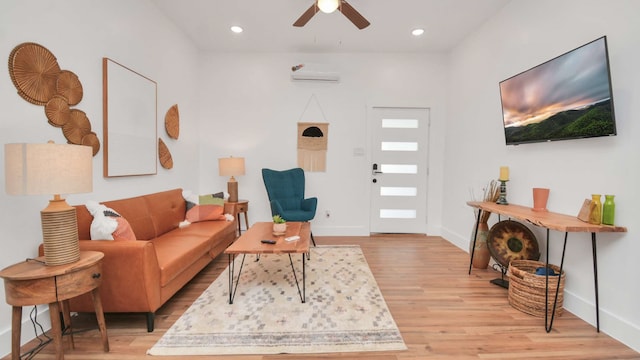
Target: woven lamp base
{"type": "Point", "coordinates": [60, 233]}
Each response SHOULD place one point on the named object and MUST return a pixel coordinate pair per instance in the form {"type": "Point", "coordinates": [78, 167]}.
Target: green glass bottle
{"type": "Point", "coordinates": [608, 210]}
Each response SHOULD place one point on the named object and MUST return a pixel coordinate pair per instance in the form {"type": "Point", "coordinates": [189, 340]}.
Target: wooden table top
{"type": "Point", "coordinates": [546, 219]}
{"type": "Point", "coordinates": [36, 268]}
{"type": "Point", "coordinates": [250, 241]}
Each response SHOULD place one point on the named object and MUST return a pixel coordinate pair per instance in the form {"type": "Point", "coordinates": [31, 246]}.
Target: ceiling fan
{"type": "Point", "coordinates": [328, 6]}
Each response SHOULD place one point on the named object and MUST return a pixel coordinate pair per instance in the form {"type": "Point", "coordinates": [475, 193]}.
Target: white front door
{"type": "Point", "coordinates": [399, 170]}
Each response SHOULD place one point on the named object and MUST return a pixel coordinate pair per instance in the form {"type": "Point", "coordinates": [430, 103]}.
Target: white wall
{"type": "Point", "coordinates": [253, 96]}
{"type": "Point", "coordinates": [525, 34]}
{"type": "Point", "coordinates": [80, 33]}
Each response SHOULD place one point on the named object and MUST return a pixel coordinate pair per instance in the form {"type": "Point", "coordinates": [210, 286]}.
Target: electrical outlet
{"type": "Point", "coordinates": [327, 214]}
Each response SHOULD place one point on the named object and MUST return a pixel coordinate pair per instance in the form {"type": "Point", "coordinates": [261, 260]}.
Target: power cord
{"type": "Point", "coordinates": [43, 338]}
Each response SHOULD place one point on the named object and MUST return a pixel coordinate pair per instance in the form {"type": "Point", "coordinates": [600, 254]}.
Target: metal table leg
{"type": "Point", "coordinates": [302, 293]}
{"type": "Point", "coordinates": [549, 324]}
{"type": "Point", "coordinates": [232, 265]}
{"type": "Point", "coordinates": [475, 235]}
{"type": "Point", "coordinates": [595, 278]}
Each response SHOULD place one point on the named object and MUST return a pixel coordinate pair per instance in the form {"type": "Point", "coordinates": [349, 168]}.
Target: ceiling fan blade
{"type": "Point", "coordinates": [304, 19]}
{"type": "Point", "coordinates": [353, 15]}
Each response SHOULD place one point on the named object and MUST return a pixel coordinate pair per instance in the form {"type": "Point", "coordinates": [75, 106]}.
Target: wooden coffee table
{"type": "Point", "coordinates": [251, 243]}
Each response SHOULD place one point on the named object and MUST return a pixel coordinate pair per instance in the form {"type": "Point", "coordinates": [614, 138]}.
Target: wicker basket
{"type": "Point", "coordinates": [527, 290]}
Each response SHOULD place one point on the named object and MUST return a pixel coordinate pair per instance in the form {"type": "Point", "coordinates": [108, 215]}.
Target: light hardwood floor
{"type": "Point", "coordinates": [442, 313]}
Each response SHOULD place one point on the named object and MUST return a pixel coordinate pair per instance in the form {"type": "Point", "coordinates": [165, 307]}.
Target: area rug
{"type": "Point", "coordinates": [344, 310]}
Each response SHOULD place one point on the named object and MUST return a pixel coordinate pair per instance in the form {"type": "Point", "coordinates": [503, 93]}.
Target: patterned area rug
{"type": "Point", "coordinates": [344, 310]}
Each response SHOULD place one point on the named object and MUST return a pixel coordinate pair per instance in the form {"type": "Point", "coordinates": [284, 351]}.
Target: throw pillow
{"type": "Point", "coordinates": [204, 208]}
{"type": "Point", "coordinates": [107, 224]}
{"type": "Point", "coordinates": [123, 232]}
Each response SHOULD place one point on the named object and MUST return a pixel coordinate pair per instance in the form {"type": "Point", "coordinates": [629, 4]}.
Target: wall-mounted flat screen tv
{"type": "Point", "coordinates": [568, 97]}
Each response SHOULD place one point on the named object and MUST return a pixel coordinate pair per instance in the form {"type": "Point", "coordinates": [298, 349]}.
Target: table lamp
{"type": "Point", "coordinates": [231, 167]}
{"type": "Point", "coordinates": [53, 169]}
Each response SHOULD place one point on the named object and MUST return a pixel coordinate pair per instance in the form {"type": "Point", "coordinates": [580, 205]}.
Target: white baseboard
{"type": "Point", "coordinates": [319, 230]}
{"type": "Point", "coordinates": [610, 323]}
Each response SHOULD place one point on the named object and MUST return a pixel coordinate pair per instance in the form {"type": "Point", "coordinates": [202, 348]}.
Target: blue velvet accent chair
{"type": "Point", "coordinates": [286, 195]}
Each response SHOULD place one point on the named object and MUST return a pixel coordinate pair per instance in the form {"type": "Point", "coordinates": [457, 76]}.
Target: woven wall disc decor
{"type": "Point", "coordinates": [69, 86]}
{"type": "Point", "coordinates": [172, 122]}
{"type": "Point", "coordinates": [57, 111]}
{"type": "Point", "coordinates": [510, 240]}
{"type": "Point", "coordinates": [91, 139]}
{"type": "Point", "coordinates": [165, 155]}
{"type": "Point", "coordinates": [34, 72]}
{"type": "Point", "coordinates": [77, 127]}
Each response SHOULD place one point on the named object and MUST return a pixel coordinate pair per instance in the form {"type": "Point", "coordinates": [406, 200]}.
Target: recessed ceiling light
{"type": "Point", "coordinates": [417, 32]}
{"type": "Point", "coordinates": [236, 29]}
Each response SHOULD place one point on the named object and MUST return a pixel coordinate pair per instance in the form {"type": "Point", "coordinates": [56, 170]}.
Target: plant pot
{"type": "Point", "coordinates": [540, 197]}
{"type": "Point", "coordinates": [279, 229]}
{"type": "Point", "coordinates": [481, 255]}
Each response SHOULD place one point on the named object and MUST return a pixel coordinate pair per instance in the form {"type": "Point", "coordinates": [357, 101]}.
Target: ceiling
{"type": "Point", "coordinates": [268, 25]}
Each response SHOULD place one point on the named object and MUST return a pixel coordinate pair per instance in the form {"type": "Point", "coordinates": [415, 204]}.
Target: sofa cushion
{"type": "Point", "coordinates": [176, 253]}
{"type": "Point", "coordinates": [136, 211]}
{"type": "Point", "coordinates": [167, 210]}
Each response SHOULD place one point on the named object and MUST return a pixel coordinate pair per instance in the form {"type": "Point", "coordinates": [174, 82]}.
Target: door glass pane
{"type": "Point", "coordinates": [398, 146]}
{"type": "Point", "coordinates": [398, 191]}
{"type": "Point", "coordinates": [397, 214]}
{"type": "Point", "coordinates": [400, 123]}
{"type": "Point", "coordinates": [399, 169]}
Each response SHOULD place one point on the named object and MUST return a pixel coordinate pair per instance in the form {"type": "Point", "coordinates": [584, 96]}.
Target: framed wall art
{"type": "Point", "coordinates": [129, 120]}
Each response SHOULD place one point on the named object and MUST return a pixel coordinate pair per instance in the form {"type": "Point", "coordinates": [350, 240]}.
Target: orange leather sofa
{"type": "Point", "coordinates": [141, 275]}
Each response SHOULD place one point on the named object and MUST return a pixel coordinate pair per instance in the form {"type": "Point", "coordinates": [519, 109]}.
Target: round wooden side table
{"type": "Point", "coordinates": [31, 282]}
{"type": "Point", "coordinates": [241, 207]}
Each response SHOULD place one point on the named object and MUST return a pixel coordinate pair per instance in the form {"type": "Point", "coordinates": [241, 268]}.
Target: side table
{"type": "Point", "coordinates": [241, 207]}
{"type": "Point", "coordinates": [31, 282]}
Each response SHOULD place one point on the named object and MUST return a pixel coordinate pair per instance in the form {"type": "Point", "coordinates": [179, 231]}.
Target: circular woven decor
{"type": "Point", "coordinates": [91, 139]}
{"type": "Point", "coordinates": [57, 111]}
{"type": "Point", "coordinates": [77, 127]}
{"type": "Point", "coordinates": [165, 155]}
{"type": "Point", "coordinates": [69, 86]}
{"type": "Point", "coordinates": [510, 240]}
{"type": "Point", "coordinates": [172, 122]}
{"type": "Point", "coordinates": [34, 71]}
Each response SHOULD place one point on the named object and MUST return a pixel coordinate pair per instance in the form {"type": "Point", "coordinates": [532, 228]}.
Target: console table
{"type": "Point", "coordinates": [31, 282]}
{"type": "Point", "coordinates": [550, 221]}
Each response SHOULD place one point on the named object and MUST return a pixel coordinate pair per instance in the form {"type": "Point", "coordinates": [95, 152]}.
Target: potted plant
{"type": "Point", "coordinates": [279, 225]}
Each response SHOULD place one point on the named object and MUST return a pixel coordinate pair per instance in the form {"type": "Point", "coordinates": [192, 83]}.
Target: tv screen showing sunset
{"type": "Point", "coordinates": [564, 98]}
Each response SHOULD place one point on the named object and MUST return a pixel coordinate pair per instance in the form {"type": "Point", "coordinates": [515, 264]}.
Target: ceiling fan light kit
{"type": "Point", "coordinates": [328, 6]}
{"type": "Point", "coordinates": [331, 5]}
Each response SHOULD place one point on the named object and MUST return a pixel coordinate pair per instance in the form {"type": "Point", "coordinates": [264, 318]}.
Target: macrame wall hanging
{"type": "Point", "coordinates": [313, 138]}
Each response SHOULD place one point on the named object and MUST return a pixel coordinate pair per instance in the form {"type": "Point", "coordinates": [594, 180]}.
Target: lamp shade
{"type": "Point", "coordinates": [231, 166]}
{"type": "Point", "coordinates": [35, 169]}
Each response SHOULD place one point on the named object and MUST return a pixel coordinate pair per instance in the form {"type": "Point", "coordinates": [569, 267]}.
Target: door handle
{"type": "Point", "coordinates": [375, 171]}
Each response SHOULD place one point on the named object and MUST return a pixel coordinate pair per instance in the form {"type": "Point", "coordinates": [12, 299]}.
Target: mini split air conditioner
{"type": "Point", "coordinates": [314, 72]}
